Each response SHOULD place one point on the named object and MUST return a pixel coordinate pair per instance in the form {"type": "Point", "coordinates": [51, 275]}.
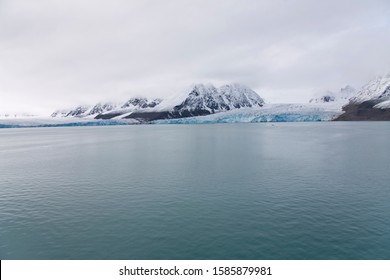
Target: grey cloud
{"type": "Point", "coordinates": [61, 53]}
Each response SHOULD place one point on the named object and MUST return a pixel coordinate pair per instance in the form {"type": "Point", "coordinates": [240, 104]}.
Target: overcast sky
{"type": "Point", "coordinates": [56, 54]}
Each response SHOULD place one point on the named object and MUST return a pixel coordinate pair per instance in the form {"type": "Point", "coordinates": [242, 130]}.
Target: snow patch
{"type": "Point", "coordinates": [383, 105]}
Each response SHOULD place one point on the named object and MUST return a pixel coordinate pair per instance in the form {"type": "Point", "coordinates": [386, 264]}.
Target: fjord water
{"type": "Point", "coordinates": [229, 191]}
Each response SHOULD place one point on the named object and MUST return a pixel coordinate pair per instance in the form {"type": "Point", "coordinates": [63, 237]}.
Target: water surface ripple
{"type": "Point", "coordinates": [228, 191]}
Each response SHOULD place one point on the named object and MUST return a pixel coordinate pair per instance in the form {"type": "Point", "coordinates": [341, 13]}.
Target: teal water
{"type": "Point", "coordinates": [228, 191]}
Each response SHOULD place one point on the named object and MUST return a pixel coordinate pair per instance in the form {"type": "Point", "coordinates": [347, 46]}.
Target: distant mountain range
{"type": "Point", "coordinates": [229, 103]}
{"type": "Point", "coordinates": [372, 102]}
{"type": "Point", "coordinates": [112, 109]}
{"type": "Point", "coordinates": [201, 100]}
{"type": "Point", "coordinates": [23, 115]}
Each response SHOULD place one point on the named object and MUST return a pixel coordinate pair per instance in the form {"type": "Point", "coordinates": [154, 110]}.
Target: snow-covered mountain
{"type": "Point", "coordinates": [85, 111]}
{"type": "Point", "coordinates": [200, 100]}
{"type": "Point", "coordinates": [325, 97]}
{"type": "Point", "coordinates": [342, 96]}
{"type": "Point", "coordinates": [101, 109]}
{"type": "Point", "coordinates": [372, 102]}
{"type": "Point", "coordinates": [141, 102]}
{"type": "Point", "coordinates": [207, 99]}
{"type": "Point", "coordinates": [60, 113]}
{"type": "Point", "coordinates": [198, 104]}
{"type": "Point", "coordinates": [134, 104]}
{"type": "Point", "coordinates": [76, 112]}
{"type": "Point", "coordinates": [238, 103]}
{"type": "Point", "coordinates": [377, 90]}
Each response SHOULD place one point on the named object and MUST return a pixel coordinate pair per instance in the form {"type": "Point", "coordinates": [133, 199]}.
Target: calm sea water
{"type": "Point", "coordinates": [232, 191]}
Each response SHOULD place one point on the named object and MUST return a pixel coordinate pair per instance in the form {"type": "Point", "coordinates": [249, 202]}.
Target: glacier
{"type": "Point", "coordinates": [58, 122]}
{"type": "Point", "coordinates": [268, 113]}
{"type": "Point", "coordinates": [207, 104]}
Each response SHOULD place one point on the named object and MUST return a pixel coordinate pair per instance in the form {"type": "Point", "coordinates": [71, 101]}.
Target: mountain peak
{"type": "Point", "coordinates": [377, 89]}
{"type": "Point", "coordinates": [79, 110]}
{"type": "Point", "coordinates": [209, 99]}
{"type": "Point", "coordinates": [202, 99]}
{"type": "Point", "coordinates": [343, 95]}
{"type": "Point", "coordinates": [101, 108]}
{"type": "Point", "coordinates": [348, 89]}
{"type": "Point", "coordinates": [141, 102]}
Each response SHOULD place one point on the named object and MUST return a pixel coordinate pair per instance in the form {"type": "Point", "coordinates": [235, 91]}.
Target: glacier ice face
{"type": "Point", "coordinates": [59, 122]}
{"type": "Point", "coordinates": [267, 113]}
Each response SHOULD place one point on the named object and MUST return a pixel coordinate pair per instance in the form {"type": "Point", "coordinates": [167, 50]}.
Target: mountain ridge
{"type": "Point", "coordinates": [200, 100]}
{"type": "Point", "coordinates": [343, 95]}
{"type": "Point", "coordinates": [371, 103]}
